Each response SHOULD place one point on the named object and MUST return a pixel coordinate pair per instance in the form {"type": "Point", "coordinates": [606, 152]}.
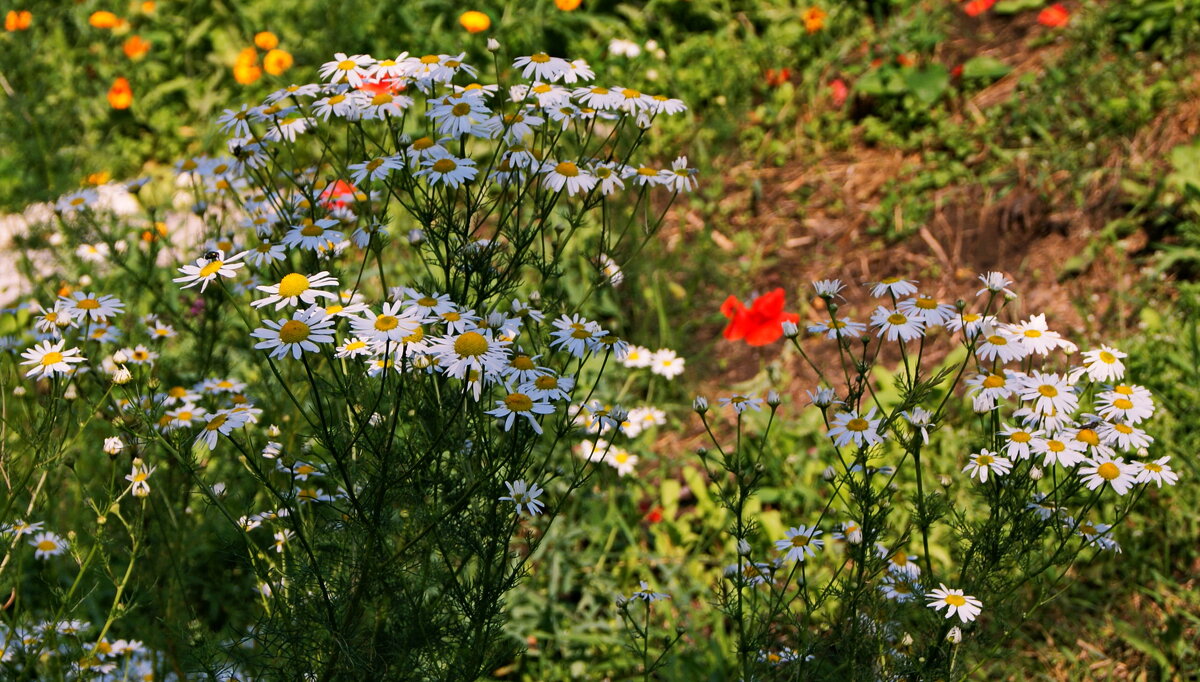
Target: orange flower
{"type": "Point", "coordinates": [120, 95]}
{"type": "Point", "coordinates": [838, 91]}
{"type": "Point", "coordinates": [814, 19]}
{"type": "Point", "coordinates": [568, 5]}
{"type": "Point", "coordinates": [104, 19]}
{"type": "Point", "coordinates": [247, 73]}
{"type": "Point", "coordinates": [475, 22]}
{"type": "Point", "coordinates": [97, 179]}
{"type": "Point", "coordinates": [247, 57]}
{"type": "Point", "coordinates": [17, 20]}
{"type": "Point", "coordinates": [148, 7]}
{"type": "Point", "coordinates": [135, 47]}
{"type": "Point", "coordinates": [777, 77]}
{"type": "Point", "coordinates": [277, 61]}
{"type": "Point", "coordinates": [1054, 16]}
{"type": "Point", "coordinates": [265, 40]}
{"type": "Point", "coordinates": [976, 7]}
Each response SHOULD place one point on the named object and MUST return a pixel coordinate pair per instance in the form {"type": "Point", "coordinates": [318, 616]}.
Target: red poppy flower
{"type": "Point", "coordinates": [383, 85]}
{"type": "Point", "coordinates": [338, 194]}
{"type": "Point", "coordinates": [956, 72]}
{"type": "Point", "coordinates": [977, 7]}
{"type": "Point", "coordinates": [761, 323]}
{"type": "Point", "coordinates": [777, 77]}
{"type": "Point", "coordinates": [655, 515]}
{"type": "Point", "coordinates": [1054, 16]}
{"type": "Point", "coordinates": [838, 91]}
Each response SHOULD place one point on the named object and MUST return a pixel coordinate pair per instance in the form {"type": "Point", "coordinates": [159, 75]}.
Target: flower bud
{"type": "Point", "coordinates": [18, 391]}
{"type": "Point", "coordinates": [113, 446]}
{"type": "Point", "coordinates": [493, 45]}
{"type": "Point", "coordinates": [829, 474]}
{"type": "Point", "coordinates": [71, 393]}
{"type": "Point", "coordinates": [945, 480]}
{"type": "Point", "coordinates": [415, 236]}
{"type": "Point", "coordinates": [773, 399]}
{"type": "Point", "coordinates": [743, 547]}
{"type": "Point", "coordinates": [619, 414]}
{"type": "Point", "coordinates": [120, 357]}
{"type": "Point", "coordinates": [1036, 473]}
{"type": "Point", "coordinates": [122, 375]}
{"type": "Point", "coordinates": [954, 636]}
{"type": "Point", "coordinates": [906, 640]}
{"type": "Point", "coordinates": [273, 431]}
{"type": "Point", "coordinates": [700, 404]}
{"type": "Point", "coordinates": [790, 330]}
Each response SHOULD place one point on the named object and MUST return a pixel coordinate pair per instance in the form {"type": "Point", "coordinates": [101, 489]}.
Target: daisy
{"type": "Point", "coordinates": [849, 427]}
{"type": "Point", "coordinates": [828, 288]}
{"type": "Point", "coordinates": [140, 355]}
{"type": "Point", "coordinates": [575, 335]}
{"type": "Point", "coordinates": [524, 496]}
{"type": "Point", "coordinates": [301, 333]}
{"type": "Point", "coordinates": [542, 67]}
{"type": "Point", "coordinates": [648, 176]}
{"type": "Point", "coordinates": [926, 309]}
{"type": "Point", "coordinates": [1158, 472]}
{"type": "Point", "coordinates": [288, 128]}
{"type": "Point", "coordinates": [997, 346]}
{"type": "Point", "coordinates": [894, 287]}
{"type": "Point", "coordinates": [622, 460]}
{"type": "Point", "coordinates": [567, 174]}
{"type": "Point", "coordinates": [20, 527]}
{"type": "Point", "coordinates": [221, 422]}
{"type": "Point", "coordinates": [377, 168]}
{"type": "Point", "coordinates": [900, 562]}
{"type": "Point", "coordinates": [1123, 436]}
{"type": "Point", "coordinates": [50, 359]}
{"type": "Point", "coordinates": [48, 544]}
{"type": "Point", "coordinates": [207, 269]}
{"type": "Point", "coordinates": [1104, 364]}
{"type": "Point", "coordinates": [1034, 336]}
{"type": "Point", "coordinates": [521, 404]}
{"type": "Point", "coordinates": [989, 389]}
{"type": "Point", "coordinates": [1116, 472]}
{"type": "Point", "coordinates": [1125, 404]}
{"type": "Point", "coordinates": [896, 325]}
{"type": "Point", "coordinates": [1094, 534]}
{"type": "Point", "coordinates": [750, 573]}
{"type": "Point", "coordinates": [994, 282]}
{"type": "Point", "coordinates": [799, 542]}
{"type": "Point", "coordinates": [1050, 393]}
{"type": "Point", "coordinates": [665, 363]}
{"type": "Point", "coordinates": [471, 351]}
{"type": "Point", "coordinates": [969, 324]}
{"type": "Point", "coordinates": [353, 348]}
{"type": "Point", "coordinates": [138, 477]}
{"type": "Point", "coordinates": [295, 288]}
{"type": "Point", "coordinates": [898, 588]}
{"type": "Point", "coordinates": [392, 326]}
{"type": "Point", "coordinates": [679, 177]}
{"type": "Point", "coordinates": [458, 115]}
{"type": "Point", "coordinates": [95, 307]}
{"type": "Point", "coordinates": [1017, 441]}
{"type": "Point", "coordinates": [548, 387]}
{"type": "Point", "coordinates": [313, 235]}
{"type": "Point", "coordinates": [264, 254]}
{"type": "Point", "coordinates": [648, 595]}
{"type": "Point", "coordinates": [448, 170]}
{"type": "Point", "coordinates": [162, 331]}
{"type": "Point", "coordinates": [637, 357]}
{"type": "Point", "coordinates": [667, 105]}
{"type": "Point", "coordinates": [954, 602]}
{"type": "Point", "coordinates": [741, 403]}
{"type": "Point", "coordinates": [281, 539]}
{"type": "Point", "coordinates": [849, 531]}
{"type": "Point", "coordinates": [1066, 453]}
{"type": "Point", "coordinates": [339, 104]}
{"type": "Point", "coordinates": [985, 462]}
{"type": "Point", "coordinates": [349, 69]}
{"type": "Point", "coordinates": [458, 321]}
{"type": "Point", "coordinates": [611, 176]}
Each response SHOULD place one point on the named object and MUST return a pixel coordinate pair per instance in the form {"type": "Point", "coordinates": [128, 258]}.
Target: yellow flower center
{"type": "Point", "coordinates": [857, 424]}
{"type": "Point", "coordinates": [1032, 333]}
{"type": "Point", "coordinates": [1123, 404]}
{"type": "Point", "coordinates": [522, 362]}
{"type": "Point", "coordinates": [417, 335]}
{"type": "Point", "coordinates": [430, 59]}
{"type": "Point", "coordinates": [1108, 471]}
{"type": "Point", "coordinates": [293, 285]}
{"type": "Point", "coordinates": [386, 323]}
{"type": "Point", "coordinates": [346, 64]}
{"type": "Point", "coordinates": [630, 93]}
{"type": "Point", "coordinates": [926, 303]}
{"type": "Point", "coordinates": [546, 383]}
{"type": "Point", "coordinates": [1020, 437]}
{"type": "Point", "coordinates": [984, 460]}
{"type": "Point", "coordinates": [1151, 466]}
{"type": "Point", "coordinates": [216, 422]}
{"type": "Point", "coordinates": [311, 230]}
{"type": "Point", "coordinates": [567, 168]}
{"type": "Point", "coordinates": [47, 545]}
{"type": "Point", "coordinates": [1123, 390]}
{"type": "Point", "coordinates": [647, 171]}
{"type": "Point", "coordinates": [997, 340]}
{"type": "Point", "coordinates": [540, 58]}
{"type": "Point", "coordinates": [451, 316]}
{"type": "Point", "coordinates": [51, 358]}
{"type": "Point", "coordinates": [1088, 436]}
{"type": "Point", "coordinates": [88, 304]}
{"type": "Point", "coordinates": [461, 109]}
{"type": "Point", "coordinates": [177, 392]}
{"type": "Point", "coordinates": [518, 402]}
{"type": "Point", "coordinates": [381, 98]}
{"type": "Point", "coordinates": [896, 319]}
{"type": "Point", "coordinates": [1048, 390]}
{"type": "Point", "coordinates": [1107, 358]}
{"type": "Point", "coordinates": [422, 143]}
{"type": "Point", "coordinates": [993, 381]}
{"type": "Point", "coordinates": [444, 165]}
{"type": "Point", "coordinates": [471, 344]}
{"type": "Point", "coordinates": [955, 600]}
{"type": "Point", "coordinates": [293, 331]}
{"type": "Point", "coordinates": [799, 540]}
{"type": "Point", "coordinates": [1055, 446]}
{"type": "Point", "coordinates": [1123, 428]}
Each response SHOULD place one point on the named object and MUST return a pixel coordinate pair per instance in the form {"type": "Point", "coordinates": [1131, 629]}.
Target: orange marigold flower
{"type": "Point", "coordinates": [814, 19]}
{"type": "Point", "coordinates": [17, 20]}
{"type": "Point", "coordinates": [1054, 16]}
{"type": "Point", "coordinates": [136, 47]}
{"type": "Point", "coordinates": [568, 5]}
{"type": "Point", "coordinates": [98, 178]}
{"type": "Point", "coordinates": [265, 40]}
{"type": "Point", "coordinates": [247, 57]}
{"type": "Point", "coordinates": [148, 7]}
{"type": "Point", "coordinates": [475, 22]}
{"type": "Point", "coordinates": [247, 73]}
{"type": "Point", "coordinates": [104, 19]}
{"type": "Point", "coordinates": [120, 95]}
{"type": "Point", "coordinates": [277, 61]}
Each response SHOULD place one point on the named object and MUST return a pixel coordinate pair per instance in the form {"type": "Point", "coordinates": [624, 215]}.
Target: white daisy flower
{"type": "Point", "coordinates": [954, 602]}
{"type": "Point", "coordinates": [666, 363]}
{"type": "Point", "coordinates": [206, 269]}
{"type": "Point", "coordinates": [391, 327]}
{"type": "Point", "coordinates": [1018, 441]}
{"type": "Point", "coordinates": [1104, 364]}
{"type": "Point", "coordinates": [926, 309]}
{"type": "Point", "coordinates": [448, 170]}
{"type": "Point", "coordinates": [521, 404]}
{"type": "Point", "coordinates": [548, 387]}
{"type": "Point", "coordinates": [1123, 436]}
{"type": "Point", "coordinates": [50, 359]}
{"type": "Point", "coordinates": [301, 333]}
{"type": "Point", "coordinates": [995, 345]}
{"type": "Point", "coordinates": [621, 459]}
{"type": "Point", "coordinates": [894, 287]}
{"type": "Point", "coordinates": [1157, 472]}
{"type": "Point", "coordinates": [349, 69]}
{"type": "Point", "coordinates": [1054, 451]}
{"type": "Point", "coordinates": [984, 463]}
{"type": "Point", "coordinates": [295, 289]}
{"type": "Point", "coordinates": [849, 427]}
{"type": "Point", "coordinates": [47, 544]}
{"type": "Point", "coordinates": [542, 67]}
{"type": "Point", "coordinates": [800, 542]}
{"type": "Point", "coordinates": [138, 478]}
{"type": "Point", "coordinates": [1049, 393]}
{"type": "Point", "coordinates": [567, 174]}
{"type": "Point", "coordinates": [221, 422]}
{"type": "Point", "coordinates": [895, 325]}
{"type": "Point", "coordinates": [471, 351]}
{"type": "Point", "coordinates": [679, 177]}
{"type": "Point", "coordinates": [1128, 404]}
{"type": "Point", "coordinates": [994, 282]}
{"type": "Point", "coordinates": [1118, 473]}
{"type": "Point", "coordinates": [95, 307]}
{"type": "Point", "coordinates": [741, 403]}
{"type": "Point", "coordinates": [524, 496]}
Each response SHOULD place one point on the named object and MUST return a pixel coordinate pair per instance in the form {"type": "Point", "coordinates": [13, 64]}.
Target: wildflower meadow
{"type": "Point", "coordinates": [600, 340]}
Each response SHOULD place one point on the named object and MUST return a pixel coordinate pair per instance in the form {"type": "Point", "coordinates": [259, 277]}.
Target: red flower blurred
{"type": "Point", "coordinates": [977, 7]}
{"type": "Point", "coordinates": [838, 91]}
{"type": "Point", "coordinates": [338, 194]}
{"type": "Point", "coordinates": [956, 72]}
{"type": "Point", "coordinates": [777, 77]}
{"type": "Point", "coordinates": [383, 85]}
{"type": "Point", "coordinates": [1054, 16]}
{"type": "Point", "coordinates": [655, 515]}
{"type": "Point", "coordinates": [761, 323]}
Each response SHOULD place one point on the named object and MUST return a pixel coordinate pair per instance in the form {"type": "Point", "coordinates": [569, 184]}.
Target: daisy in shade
{"type": "Point", "coordinates": [458, 115]}
{"type": "Point", "coordinates": [295, 289]}
{"type": "Point", "coordinates": [313, 235]}
{"type": "Point", "coordinates": [299, 334]}
{"type": "Point", "coordinates": [988, 390]}
{"type": "Point", "coordinates": [95, 307]}
{"type": "Point", "coordinates": [984, 463]}
{"type": "Point", "coordinates": [353, 348]}
{"type": "Point", "coordinates": [679, 177]}
{"type": "Point", "coordinates": [264, 254]}
{"type": "Point", "coordinates": [899, 561]}
{"type": "Point", "coordinates": [1157, 472]}
{"type": "Point", "coordinates": [926, 309]}
{"type": "Point", "coordinates": [515, 404]}
{"type": "Point", "coordinates": [1125, 404]}
{"type": "Point", "coordinates": [1050, 393]}
{"type": "Point", "coordinates": [1123, 436]}
{"type": "Point", "coordinates": [800, 542]}
{"type": "Point", "coordinates": [893, 287]}
{"type": "Point", "coordinates": [349, 69]}
{"type": "Point", "coordinates": [898, 588]}
{"type": "Point", "coordinates": [391, 327]}
{"type": "Point", "coordinates": [138, 478]}
{"type": "Point", "coordinates": [1104, 364]}
{"type": "Point", "coordinates": [47, 544]}
{"type": "Point", "coordinates": [1095, 534]}
{"type": "Point", "coordinates": [996, 345]}
{"type": "Point", "coordinates": [50, 359]}
{"type": "Point", "coordinates": [1113, 471]}
{"type": "Point", "coordinates": [548, 387]}
{"type": "Point", "coordinates": [542, 67]}
{"type": "Point", "coordinates": [448, 170]}
{"type": "Point", "coordinates": [895, 325]}
{"type": "Point", "coordinates": [575, 335]}
{"type": "Point", "coordinates": [221, 422]}
{"type": "Point", "coordinates": [833, 329]}
{"type": "Point", "coordinates": [566, 174]}
{"type": "Point", "coordinates": [525, 496]}
{"type": "Point", "coordinates": [849, 427]}
{"type": "Point", "coordinates": [471, 351]}
{"type": "Point", "coordinates": [954, 602]}
{"type": "Point", "coordinates": [206, 269]}
{"type": "Point", "coordinates": [377, 168]}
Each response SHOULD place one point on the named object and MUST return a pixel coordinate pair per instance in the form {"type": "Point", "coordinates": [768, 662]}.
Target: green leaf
{"type": "Point", "coordinates": [1017, 6]}
{"type": "Point", "coordinates": [928, 83]}
{"type": "Point", "coordinates": [985, 68]}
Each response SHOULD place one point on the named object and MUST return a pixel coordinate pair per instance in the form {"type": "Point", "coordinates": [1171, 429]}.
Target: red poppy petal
{"type": "Point", "coordinates": [731, 307]}
{"type": "Point", "coordinates": [764, 335]}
